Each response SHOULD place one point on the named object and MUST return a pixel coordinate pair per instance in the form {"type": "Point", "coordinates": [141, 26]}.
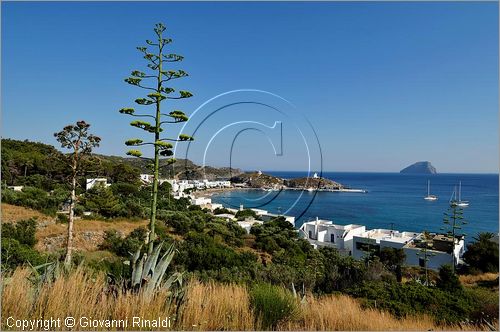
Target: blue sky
{"type": "Point", "coordinates": [382, 84]}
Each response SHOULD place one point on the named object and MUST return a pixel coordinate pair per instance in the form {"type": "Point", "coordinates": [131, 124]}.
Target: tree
{"type": "Point", "coordinates": [448, 280]}
{"type": "Point", "coordinates": [247, 213]}
{"type": "Point", "coordinates": [425, 253]}
{"type": "Point", "coordinates": [393, 259]}
{"type": "Point", "coordinates": [159, 75]}
{"type": "Point", "coordinates": [482, 254]}
{"type": "Point", "coordinates": [453, 220]}
{"type": "Point", "coordinates": [77, 139]}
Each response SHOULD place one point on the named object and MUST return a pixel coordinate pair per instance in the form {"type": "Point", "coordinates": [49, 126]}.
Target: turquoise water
{"type": "Point", "coordinates": [393, 200]}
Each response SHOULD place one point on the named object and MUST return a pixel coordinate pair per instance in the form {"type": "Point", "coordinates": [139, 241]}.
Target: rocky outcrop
{"type": "Point", "coordinates": [258, 180]}
{"type": "Point", "coordinates": [266, 181]}
{"type": "Point", "coordinates": [315, 183]}
{"type": "Point", "coordinates": [421, 167]}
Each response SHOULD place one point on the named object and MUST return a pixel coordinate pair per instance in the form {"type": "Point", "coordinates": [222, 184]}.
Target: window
{"type": "Point", "coordinates": [332, 238]}
{"type": "Point", "coordinates": [421, 262]}
{"type": "Point", "coordinates": [367, 247]}
{"type": "Point", "coordinates": [310, 234]}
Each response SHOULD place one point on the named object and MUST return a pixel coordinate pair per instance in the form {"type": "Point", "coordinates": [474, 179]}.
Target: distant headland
{"type": "Point", "coordinates": [421, 167]}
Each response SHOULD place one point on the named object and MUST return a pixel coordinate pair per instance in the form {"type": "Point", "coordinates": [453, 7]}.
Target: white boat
{"type": "Point", "coordinates": [458, 202]}
{"type": "Point", "coordinates": [430, 197]}
{"type": "Point", "coordinates": [310, 189]}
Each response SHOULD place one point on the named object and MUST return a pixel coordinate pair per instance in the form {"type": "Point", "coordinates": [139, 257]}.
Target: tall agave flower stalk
{"type": "Point", "coordinates": [160, 73]}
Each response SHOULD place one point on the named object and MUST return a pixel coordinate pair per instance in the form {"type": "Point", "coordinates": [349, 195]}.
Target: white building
{"type": "Point", "coordinates": [201, 201]}
{"type": "Point", "coordinates": [91, 183]}
{"type": "Point", "coordinates": [146, 178]}
{"type": "Point", "coordinates": [226, 216]}
{"type": "Point", "coordinates": [248, 223]}
{"type": "Point", "coordinates": [376, 239]}
{"type": "Point", "coordinates": [324, 233]}
{"type": "Point", "coordinates": [440, 254]}
{"type": "Point", "coordinates": [16, 188]}
{"type": "Point", "coordinates": [356, 241]}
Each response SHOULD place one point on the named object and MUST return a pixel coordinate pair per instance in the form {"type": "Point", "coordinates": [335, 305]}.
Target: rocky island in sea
{"type": "Point", "coordinates": [421, 167]}
{"type": "Point", "coordinates": [259, 180]}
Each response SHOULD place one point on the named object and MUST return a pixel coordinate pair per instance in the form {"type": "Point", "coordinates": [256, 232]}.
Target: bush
{"type": "Point", "coordinates": [221, 211]}
{"type": "Point", "coordinates": [245, 214]}
{"type": "Point", "coordinates": [273, 305]}
{"type": "Point", "coordinates": [33, 198]}
{"type": "Point", "coordinates": [414, 298]}
{"type": "Point", "coordinates": [341, 272]}
{"type": "Point", "coordinates": [15, 254]}
{"type": "Point", "coordinates": [448, 280]}
{"type": "Point", "coordinates": [201, 252]}
{"type": "Point", "coordinates": [124, 247]}
{"type": "Point", "coordinates": [23, 231]}
{"type": "Point", "coordinates": [483, 253]}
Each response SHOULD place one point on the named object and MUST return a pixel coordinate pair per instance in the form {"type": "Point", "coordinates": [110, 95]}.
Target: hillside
{"type": "Point", "coordinates": [24, 161]}
{"type": "Point", "coordinates": [262, 180]}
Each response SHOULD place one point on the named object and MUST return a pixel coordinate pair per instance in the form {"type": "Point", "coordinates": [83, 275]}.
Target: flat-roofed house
{"type": "Point", "coordinates": [324, 233]}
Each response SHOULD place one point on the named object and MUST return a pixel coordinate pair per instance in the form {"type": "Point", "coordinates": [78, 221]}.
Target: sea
{"type": "Point", "coordinates": [392, 201]}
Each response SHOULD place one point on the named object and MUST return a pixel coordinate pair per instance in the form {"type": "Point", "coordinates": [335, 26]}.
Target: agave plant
{"type": "Point", "coordinates": [148, 271]}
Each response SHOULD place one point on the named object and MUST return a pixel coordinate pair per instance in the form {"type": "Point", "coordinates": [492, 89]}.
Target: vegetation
{"type": "Point", "coordinates": [273, 305]}
{"type": "Point", "coordinates": [246, 213]}
{"type": "Point", "coordinates": [157, 63]}
{"type": "Point", "coordinates": [18, 241]}
{"type": "Point", "coordinates": [482, 254]}
{"type": "Point", "coordinates": [206, 306]}
{"type": "Point", "coordinates": [453, 221]}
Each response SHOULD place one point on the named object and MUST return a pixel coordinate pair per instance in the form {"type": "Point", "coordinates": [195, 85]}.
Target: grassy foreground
{"type": "Point", "coordinates": [206, 306]}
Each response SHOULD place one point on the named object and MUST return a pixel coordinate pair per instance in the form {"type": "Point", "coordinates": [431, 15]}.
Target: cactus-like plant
{"type": "Point", "coordinates": [148, 271]}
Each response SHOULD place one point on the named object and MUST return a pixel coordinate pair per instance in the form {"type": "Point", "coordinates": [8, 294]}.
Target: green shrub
{"type": "Point", "coordinates": [245, 214]}
{"type": "Point", "coordinates": [221, 211]}
{"type": "Point", "coordinates": [273, 305]}
{"type": "Point", "coordinates": [414, 298]}
{"type": "Point", "coordinates": [23, 231]}
{"type": "Point", "coordinates": [62, 218]}
{"type": "Point", "coordinates": [448, 280]}
{"type": "Point", "coordinates": [482, 254]}
{"type": "Point", "coordinates": [123, 247]}
{"type": "Point", "coordinates": [15, 254]}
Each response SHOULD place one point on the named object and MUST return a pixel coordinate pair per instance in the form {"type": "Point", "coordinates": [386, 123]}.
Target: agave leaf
{"type": "Point", "coordinates": [150, 263]}
{"type": "Point", "coordinates": [176, 277]}
{"type": "Point", "coordinates": [136, 256]}
{"type": "Point", "coordinates": [165, 262]}
{"type": "Point", "coordinates": [137, 271]}
{"type": "Point", "coordinates": [159, 270]}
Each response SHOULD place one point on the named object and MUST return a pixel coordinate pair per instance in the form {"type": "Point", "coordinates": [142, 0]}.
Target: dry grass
{"type": "Point", "coordinates": [208, 306]}
{"type": "Point", "coordinates": [214, 306]}
{"type": "Point", "coordinates": [77, 295]}
{"type": "Point", "coordinates": [12, 213]}
{"type": "Point", "coordinates": [345, 313]}
{"type": "Point", "coordinates": [88, 234]}
{"type": "Point", "coordinates": [474, 280]}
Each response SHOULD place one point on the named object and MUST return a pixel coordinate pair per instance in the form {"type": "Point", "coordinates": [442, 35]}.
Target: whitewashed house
{"type": "Point", "coordinates": [324, 233]}
{"type": "Point", "coordinates": [91, 183]}
{"type": "Point", "coordinates": [248, 223]}
{"type": "Point", "coordinates": [356, 241]}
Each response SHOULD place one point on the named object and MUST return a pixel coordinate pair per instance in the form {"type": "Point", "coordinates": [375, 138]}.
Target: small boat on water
{"type": "Point", "coordinates": [458, 202]}
{"type": "Point", "coordinates": [430, 197]}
